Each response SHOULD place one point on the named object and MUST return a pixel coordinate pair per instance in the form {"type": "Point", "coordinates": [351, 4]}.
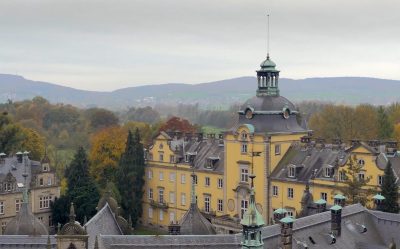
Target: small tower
{"type": "Point", "coordinates": [72, 234]}
{"type": "Point", "coordinates": [286, 232]}
{"type": "Point", "coordinates": [252, 223]}
{"type": "Point", "coordinates": [267, 78]}
{"type": "Point", "coordinates": [378, 201]}
{"type": "Point", "coordinates": [336, 220]}
{"type": "Point", "coordinates": [340, 200]}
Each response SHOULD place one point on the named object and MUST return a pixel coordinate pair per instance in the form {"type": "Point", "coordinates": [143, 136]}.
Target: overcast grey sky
{"type": "Point", "coordinates": [105, 45]}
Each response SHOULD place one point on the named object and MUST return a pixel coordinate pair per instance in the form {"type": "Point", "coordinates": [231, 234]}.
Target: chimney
{"type": "Point", "coordinates": [378, 201]}
{"type": "Point", "coordinates": [339, 200]}
{"type": "Point", "coordinates": [279, 214]}
{"type": "Point", "coordinates": [199, 137]}
{"type": "Point", "coordinates": [336, 220]}
{"type": "Point", "coordinates": [286, 232]}
{"type": "Point", "coordinates": [19, 156]}
{"type": "Point", "coordinates": [321, 205]}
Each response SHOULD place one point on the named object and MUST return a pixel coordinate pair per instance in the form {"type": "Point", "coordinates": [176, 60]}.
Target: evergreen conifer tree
{"type": "Point", "coordinates": [385, 128]}
{"type": "Point", "coordinates": [82, 190]}
{"type": "Point", "coordinates": [131, 177]}
{"type": "Point", "coordinates": [390, 191]}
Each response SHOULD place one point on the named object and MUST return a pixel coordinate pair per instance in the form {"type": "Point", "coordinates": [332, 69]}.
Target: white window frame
{"type": "Point", "coordinates": [161, 176]}
{"type": "Point", "coordinates": [327, 172]}
{"type": "Point", "coordinates": [292, 171]}
{"type": "Point", "coordinates": [161, 198]}
{"type": "Point", "coordinates": [18, 204]}
{"type": "Point", "coordinates": [220, 205]}
{"type": "Point", "coordinates": [277, 149]}
{"type": "Point", "coordinates": [220, 183]}
{"type": "Point", "coordinates": [207, 181]}
{"type": "Point", "coordinates": [207, 203]}
{"type": "Point", "coordinates": [150, 174]}
{"type": "Point", "coordinates": [380, 180]}
{"type": "Point", "coordinates": [244, 174]}
{"type": "Point", "coordinates": [275, 190]}
{"type": "Point", "coordinates": [172, 217]}
{"type": "Point", "coordinates": [244, 205]}
{"type": "Point", "coordinates": [171, 197]}
{"type": "Point", "coordinates": [151, 194]}
{"type": "Point", "coordinates": [2, 208]}
{"type": "Point", "coordinates": [324, 196]}
{"type": "Point", "coordinates": [183, 199]}
{"type": "Point", "coordinates": [44, 202]}
{"type": "Point", "coordinates": [290, 193]}
{"type": "Point", "coordinates": [150, 213]}
{"type": "Point", "coordinates": [172, 176]}
{"type": "Point", "coordinates": [183, 178]}
{"type": "Point", "coordinates": [243, 148]}
{"type": "Point", "coordinates": [161, 215]}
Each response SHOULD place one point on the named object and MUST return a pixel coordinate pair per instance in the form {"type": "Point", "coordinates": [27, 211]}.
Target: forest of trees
{"type": "Point", "coordinates": [96, 138]}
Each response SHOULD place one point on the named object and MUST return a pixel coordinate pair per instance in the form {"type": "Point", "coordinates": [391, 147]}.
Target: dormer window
{"type": "Point", "coordinates": [243, 136]}
{"type": "Point", "coordinates": [292, 171]}
{"type": "Point", "coordinates": [46, 167]}
{"type": "Point", "coordinates": [328, 171]}
{"type": "Point", "coordinates": [361, 162]}
{"type": "Point", "coordinates": [186, 158]}
{"type": "Point", "coordinates": [211, 162]}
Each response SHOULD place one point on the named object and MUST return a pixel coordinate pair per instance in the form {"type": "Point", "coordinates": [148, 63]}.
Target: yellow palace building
{"type": "Point", "coordinates": [293, 172]}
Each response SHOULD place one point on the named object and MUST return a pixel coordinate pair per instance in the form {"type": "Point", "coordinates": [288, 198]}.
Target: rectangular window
{"type": "Point", "coordinates": [194, 179]}
{"type": "Point", "coordinates": [361, 177]}
{"type": "Point", "coordinates": [18, 205]}
{"type": "Point", "coordinates": [291, 171]}
{"type": "Point", "coordinates": [275, 191]}
{"type": "Point", "coordinates": [150, 194]}
{"type": "Point", "coordinates": [171, 177]}
{"type": "Point", "coordinates": [244, 148]}
{"type": "Point", "coordinates": [44, 202]}
{"type": "Point", "coordinates": [220, 205]}
{"type": "Point", "coordinates": [172, 217]}
{"type": "Point", "coordinates": [150, 174]}
{"type": "Point", "coordinates": [41, 181]}
{"type": "Point", "coordinates": [324, 196]}
{"type": "Point", "coordinates": [172, 197]}
{"type": "Point", "coordinates": [161, 195]}
{"type": "Point", "coordinates": [290, 213]}
{"type": "Point", "coordinates": [183, 178]}
{"type": "Point", "coordinates": [150, 212]}
{"type": "Point", "coordinates": [172, 159]}
{"type": "Point", "coordinates": [277, 149]}
{"type": "Point", "coordinates": [207, 204]}
{"type": "Point", "coordinates": [290, 193]}
{"type": "Point", "coordinates": [244, 175]}
{"type": "Point", "coordinates": [1, 207]}
{"type": "Point", "coordinates": [49, 181]}
{"type": "Point", "coordinates": [380, 180]}
{"type": "Point", "coordinates": [186, 158]}
{"type": "Point", "coordinates": [161, 215]}
{"type": "Point", "coordinates": [327, 172]}
{"type": "Point", "coordinates": [207, 181]}
{"type": "Point", "coordinates": [244, 204]}
{"type": "Point", "coordinates": [161, 157]}
{"type": "Point", "coordinates": [161, 176]}
{"type": "Point", "coordinates": [183, 199]}
{"type": "Point", "coordinates": [342, 176]}
{"type": "Point", "coordinates": [220, 183]}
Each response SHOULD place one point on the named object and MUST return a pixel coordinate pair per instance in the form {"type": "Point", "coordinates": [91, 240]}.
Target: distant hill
{"type": "Point", "coordinates": [218, 94]}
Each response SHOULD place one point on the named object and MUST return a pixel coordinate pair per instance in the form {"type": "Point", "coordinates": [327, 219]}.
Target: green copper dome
{"type": "Point", "coordinates": [268, 65]}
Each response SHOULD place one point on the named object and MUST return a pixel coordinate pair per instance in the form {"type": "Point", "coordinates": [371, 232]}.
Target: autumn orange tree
{"type": "Point", "coordinates": [178, 124]}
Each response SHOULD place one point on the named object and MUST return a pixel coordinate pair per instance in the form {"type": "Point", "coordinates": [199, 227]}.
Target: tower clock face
{"type": "Point", "coordinates": [249, 114]}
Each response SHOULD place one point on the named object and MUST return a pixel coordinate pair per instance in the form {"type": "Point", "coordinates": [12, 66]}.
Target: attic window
{"type": "Point", "coordinates": [244, 135]}
{"type": "Point", "coordinates": [292, 171]}
{"type": "Point", "coordinates": [361, 162]}
{"type": "Point", "coordinates": [328, 171]}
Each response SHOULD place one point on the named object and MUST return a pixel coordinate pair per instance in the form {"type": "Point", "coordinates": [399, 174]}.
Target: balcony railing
{"type": "Point", "coordinates": [158, 204]}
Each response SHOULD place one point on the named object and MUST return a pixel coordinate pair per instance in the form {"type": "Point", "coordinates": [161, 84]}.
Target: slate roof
{"type": "Point", "coordinates": [103, 222]}
{"type": "Point", "coordinates": [17, 169]}
{"type": "Point", "coordinates": [194, 223]}
{"type": "Point", "coordinates": [381, 229]}
{"type": "Point", "coordinates": [309, 162]}
{"type": "Point", "coordinates": [25, 241]}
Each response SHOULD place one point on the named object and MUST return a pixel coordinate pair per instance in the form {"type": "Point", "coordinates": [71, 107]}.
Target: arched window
{"type": "Point", "coordinates": [71, 246]}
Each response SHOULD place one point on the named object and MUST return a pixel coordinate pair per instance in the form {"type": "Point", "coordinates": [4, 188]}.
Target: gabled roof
{"type": "Point", "coordinates": [194, 223]}
{"type": "Point", "coordinates": [103, 222]}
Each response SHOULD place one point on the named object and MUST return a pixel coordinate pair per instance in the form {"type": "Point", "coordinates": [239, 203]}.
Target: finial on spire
{"type": "Point", "coordinates": [267, 36]}
{"type": "Point", "coordinates": [72, 213]}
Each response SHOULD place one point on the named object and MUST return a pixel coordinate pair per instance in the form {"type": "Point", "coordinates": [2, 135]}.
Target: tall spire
{"type": "Point", "coordinates": [267, 36]}
{"type": "Point", "coordinates": [25, 198]}
{"type": "Point", "coordinates": [72, 213]}
{"type": "Point", "coordinates": [193, 191]}
{"type": "Point", "coordinates": [252, 222]}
